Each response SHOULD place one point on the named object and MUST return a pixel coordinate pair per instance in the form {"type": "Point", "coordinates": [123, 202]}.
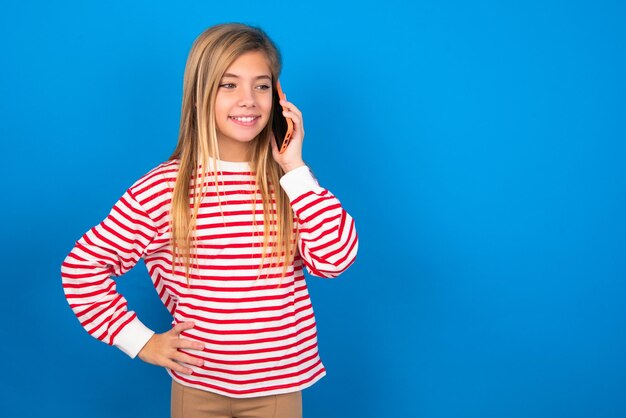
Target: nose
{"type": "Point", "coordinates": [246, 98]}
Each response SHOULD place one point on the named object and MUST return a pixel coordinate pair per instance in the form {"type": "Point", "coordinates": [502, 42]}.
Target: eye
{"type": "Point", "coordinates": [264, 87]}
{"type": "Point", "coordinates": [228, 85]}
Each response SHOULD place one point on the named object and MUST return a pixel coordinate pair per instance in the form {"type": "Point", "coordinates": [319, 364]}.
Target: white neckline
{"type": "Point", "coordinates": [222, 165]}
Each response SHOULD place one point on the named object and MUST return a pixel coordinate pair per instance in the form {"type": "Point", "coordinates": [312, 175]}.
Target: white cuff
{"type": "Point", "coordinates": [299, 181]}
{"type": "Point", "coordinates": [133, 337]}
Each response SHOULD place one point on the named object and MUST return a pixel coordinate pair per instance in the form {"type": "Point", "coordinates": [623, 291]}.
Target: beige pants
{"type": "Point", "coordinates": [195, 403]}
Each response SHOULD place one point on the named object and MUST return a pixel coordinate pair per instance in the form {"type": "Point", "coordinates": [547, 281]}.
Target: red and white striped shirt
{"type": "Point", "coordinates": [258, 328]}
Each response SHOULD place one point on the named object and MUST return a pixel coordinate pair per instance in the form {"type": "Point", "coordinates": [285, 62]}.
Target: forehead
{"type": "Point", "coordinates": [253, 63]}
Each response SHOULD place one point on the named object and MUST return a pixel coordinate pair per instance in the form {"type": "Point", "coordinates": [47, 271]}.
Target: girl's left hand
{"type": "Point", "coordinates": [292, 157]}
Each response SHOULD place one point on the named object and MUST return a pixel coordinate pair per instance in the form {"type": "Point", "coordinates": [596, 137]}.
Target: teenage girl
{"type": "Point", "coordinates": [225, 228]}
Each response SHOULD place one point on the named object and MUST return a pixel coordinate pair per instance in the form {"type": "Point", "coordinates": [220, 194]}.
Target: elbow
{"type": "Point", "coordinates": [349, 260]}
{"type": "Point", "coordinates": [351, 250]}
{"type": "Point", "coordinates": [348, 252]}
{"type": "Point", "coordinates": [333, 267]}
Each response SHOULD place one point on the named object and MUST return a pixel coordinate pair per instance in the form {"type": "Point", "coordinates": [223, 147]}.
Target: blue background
{"type": "Point", "coordinates": [480, 146]}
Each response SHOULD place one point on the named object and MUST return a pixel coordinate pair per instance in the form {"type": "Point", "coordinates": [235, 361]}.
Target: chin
{"type": "Point", "coordinates": [248, 138]}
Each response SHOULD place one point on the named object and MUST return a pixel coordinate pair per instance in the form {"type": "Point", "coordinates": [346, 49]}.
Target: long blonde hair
{"type": "Point", "coordinates": [210, 56]}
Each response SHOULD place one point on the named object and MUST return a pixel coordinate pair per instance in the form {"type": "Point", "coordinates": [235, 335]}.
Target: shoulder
{"type": "Point", "coordinates": [158, 181]}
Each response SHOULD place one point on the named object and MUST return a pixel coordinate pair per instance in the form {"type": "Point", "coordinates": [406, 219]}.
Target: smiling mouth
{"type": "Point", "coordinates": [244, 118]}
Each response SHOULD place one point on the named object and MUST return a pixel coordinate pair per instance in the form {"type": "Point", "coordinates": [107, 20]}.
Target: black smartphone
{"type": "Point", "coordinates": [282, 126]}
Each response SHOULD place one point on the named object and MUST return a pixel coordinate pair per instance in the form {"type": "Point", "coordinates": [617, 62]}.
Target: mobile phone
{"type": "Point", "coordinates": [282, 126]}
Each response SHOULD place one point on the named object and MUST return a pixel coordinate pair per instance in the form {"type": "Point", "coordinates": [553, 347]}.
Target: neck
{"type": "Point", "coordinates": [234, 151]}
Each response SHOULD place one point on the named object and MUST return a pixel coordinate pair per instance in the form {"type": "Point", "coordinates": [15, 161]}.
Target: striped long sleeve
{"type": "Point", "coordinates": [255, 320]}
{"type": "Point", "coordinates": [109, 249]}
{"type": "Point", "coordinates": [328, 241]}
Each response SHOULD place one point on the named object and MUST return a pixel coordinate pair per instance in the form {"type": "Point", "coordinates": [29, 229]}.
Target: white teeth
{"type": "Point", "coordinates": [244, 119]}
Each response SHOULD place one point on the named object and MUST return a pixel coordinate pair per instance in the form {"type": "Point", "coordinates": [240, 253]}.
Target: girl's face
{"type": "Point", "coordinates": [243, 104]}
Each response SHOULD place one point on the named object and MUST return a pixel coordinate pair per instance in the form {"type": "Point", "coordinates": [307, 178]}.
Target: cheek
{"type": "Point", "coordinates": [267, 106]}
{"type": "Point", "coordinates": [221, 110]}
{"type": "Point", "coordinates": [221, 116]}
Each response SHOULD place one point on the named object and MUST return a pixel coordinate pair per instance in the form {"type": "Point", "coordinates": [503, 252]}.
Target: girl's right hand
{"type": "Point", "coordinates": [162, 349]}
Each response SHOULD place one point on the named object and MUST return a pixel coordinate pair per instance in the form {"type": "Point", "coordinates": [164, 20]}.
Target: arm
{"type": "Point", "coordinates": [109, 249]}
{"type": "Point", "coordinates": [327, 239]}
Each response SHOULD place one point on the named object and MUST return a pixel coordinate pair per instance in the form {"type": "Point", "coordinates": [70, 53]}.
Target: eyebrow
{"type": "Point", "coordinates": [256, 78]}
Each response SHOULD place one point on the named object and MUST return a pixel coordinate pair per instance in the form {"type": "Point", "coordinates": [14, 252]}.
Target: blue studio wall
{"type": "Point", "coordinates": [480, 146]}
